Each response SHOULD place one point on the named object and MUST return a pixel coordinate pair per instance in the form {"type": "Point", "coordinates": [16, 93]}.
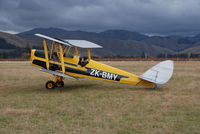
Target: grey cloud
{"type": "Point", "coordinates": [147, 16]}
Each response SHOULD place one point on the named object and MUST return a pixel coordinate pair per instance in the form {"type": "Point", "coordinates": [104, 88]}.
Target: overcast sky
{"type": "Point", "coordinates": [145, 16]}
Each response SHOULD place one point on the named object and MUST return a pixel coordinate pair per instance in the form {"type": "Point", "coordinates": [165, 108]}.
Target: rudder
{"type": "Point", "coordinates": [160, 73]}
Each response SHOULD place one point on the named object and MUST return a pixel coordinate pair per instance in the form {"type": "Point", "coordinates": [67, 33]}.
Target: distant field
{"type": "Point", "coordinates": [96, 107]}
{"type": "Point", "coordinates": [125, 59]}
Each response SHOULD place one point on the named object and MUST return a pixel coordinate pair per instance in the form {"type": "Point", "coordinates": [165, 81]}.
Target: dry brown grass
{"type": "Point", "coordinates": [16, 111]}
{"type": "Point", "coordinates": [89, 106]}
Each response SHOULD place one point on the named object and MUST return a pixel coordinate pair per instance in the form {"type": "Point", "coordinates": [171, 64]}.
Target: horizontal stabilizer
{"type": "Point", "coordinates": [160, 73]}
{"type": "Point", "coordinates": [56, 73]}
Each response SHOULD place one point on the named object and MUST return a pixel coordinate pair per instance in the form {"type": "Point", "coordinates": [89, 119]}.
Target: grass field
{"type": "Point", "coordinates": [96, 107]}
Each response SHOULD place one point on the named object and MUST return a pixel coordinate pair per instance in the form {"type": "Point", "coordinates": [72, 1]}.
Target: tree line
{"type": "Point", "coordinates": [25, 53]}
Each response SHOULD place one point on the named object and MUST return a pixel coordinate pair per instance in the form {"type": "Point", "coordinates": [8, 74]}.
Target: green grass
{"type": "Point", "coordinates": [89, 106]}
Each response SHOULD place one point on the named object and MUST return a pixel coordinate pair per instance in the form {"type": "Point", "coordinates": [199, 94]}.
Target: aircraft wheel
{"type": "Point", "coordinates": [59, 84]}
{"type": "Point", "coordinates": [50, 85]}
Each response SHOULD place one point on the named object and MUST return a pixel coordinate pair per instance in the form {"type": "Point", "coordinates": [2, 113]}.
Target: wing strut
{"type": "Point", "coordinates": [61, 58]}
{"type": "Point", "coordinates": [46, 54]}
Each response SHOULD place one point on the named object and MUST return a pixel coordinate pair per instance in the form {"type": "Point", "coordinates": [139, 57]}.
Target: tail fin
{"type": "Point", "coordinates": [160, 73]}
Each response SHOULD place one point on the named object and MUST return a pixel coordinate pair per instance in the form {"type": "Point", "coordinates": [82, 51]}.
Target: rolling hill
{"type": "Point", "coordinates": [174, 43]}
{"type": "Point", "coordinates": [15, 40]}
{"type": "Point", "coordinates": [194, 50]}
{"type": "Point", "coordinates": [116, 43]}
{"type": "Point", "coordinates": [12, 46]}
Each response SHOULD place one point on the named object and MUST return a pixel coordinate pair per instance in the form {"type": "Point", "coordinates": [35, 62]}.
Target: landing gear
{"type": "Point", "coordinates": [56, 82]}
{"type": "Point", "coordinates": [50, 85]}
{"type": "Point", "coordinates": [60, 84]}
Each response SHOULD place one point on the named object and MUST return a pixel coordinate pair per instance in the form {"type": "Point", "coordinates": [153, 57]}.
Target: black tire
{"type": "Point", "coordinates": [60, 84]}
{"type": "Point", "coordinates": [50, 85]}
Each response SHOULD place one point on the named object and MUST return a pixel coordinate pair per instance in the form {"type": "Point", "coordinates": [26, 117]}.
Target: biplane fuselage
{"type": "Point", "coordinates": [59, 63]}
{"type": "Point", "coordinates": [93, 70]}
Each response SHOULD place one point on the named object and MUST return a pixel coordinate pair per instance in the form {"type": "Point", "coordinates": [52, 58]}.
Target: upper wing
{"type": "Point", "coordinates": [83, 44]}
{"type": "Point", "coordinates": [53, 39]}
{"type": "Point", "coordinates": [76, 43]}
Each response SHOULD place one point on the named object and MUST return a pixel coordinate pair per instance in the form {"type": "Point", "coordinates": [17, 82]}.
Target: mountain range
{"type": "Point", "coordinates": [116, 43]}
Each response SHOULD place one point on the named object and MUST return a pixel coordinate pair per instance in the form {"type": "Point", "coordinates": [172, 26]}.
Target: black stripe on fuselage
{"type": "Point", "coordinates": [40, 63]}
{"type": "Point", "coordinates": [89, 72]}
{"type": "Point", "coordinates": [96, 73]}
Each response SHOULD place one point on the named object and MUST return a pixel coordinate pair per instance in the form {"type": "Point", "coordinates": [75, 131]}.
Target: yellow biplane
{"type": "Point", "coordinates": [62, 59]}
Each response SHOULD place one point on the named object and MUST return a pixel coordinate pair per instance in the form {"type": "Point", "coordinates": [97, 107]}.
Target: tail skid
{"type": "Point", "coordinates": [160, 73]}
